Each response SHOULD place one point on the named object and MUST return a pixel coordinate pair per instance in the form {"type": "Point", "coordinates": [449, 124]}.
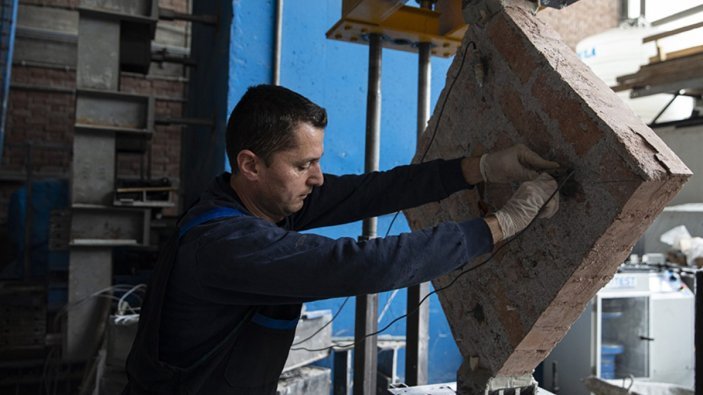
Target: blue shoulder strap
{"type": "Point", "coordinates": [217, 213]}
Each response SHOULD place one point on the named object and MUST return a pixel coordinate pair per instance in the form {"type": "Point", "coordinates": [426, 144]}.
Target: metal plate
{"type": "Point", "coordinates": [93, 167]}
{"type": "Point", "coordinates": [143, 8]}
{"type": "Point", "coordinates": [98, 53]}
{"type": "Point", "coordinates": [119, 112]}
{"type": "Point", "coordinates": [99, 227]}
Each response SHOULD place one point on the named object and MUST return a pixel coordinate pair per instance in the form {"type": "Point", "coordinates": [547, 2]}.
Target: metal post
{"type": "Point", "coordinates": [643, 9]}
{"type": "Point", "coordinates": [8, 23]}
{"type": "Point", "coordinates": [424, 81]}
{"type": "Point", "coordinates": [699, 333]}
{"type": "Point", "coordinates": [28, 215]}
{"type": "Point", "coordinates": [624, 10]}
{"type": "Point", "coordinates": [365, 358]}
{"type": "Point", "coordinates": [277, 43]}
{"type": "Point", "coordinates": [417, 323]}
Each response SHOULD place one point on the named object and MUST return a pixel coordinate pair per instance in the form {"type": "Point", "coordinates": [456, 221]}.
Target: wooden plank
{"type": "Point", "coordinates": [677, 54]}
{"type": "Point", "coordinates": [670, 33]}
{"type": "Point", "coordinates": [683, 68]}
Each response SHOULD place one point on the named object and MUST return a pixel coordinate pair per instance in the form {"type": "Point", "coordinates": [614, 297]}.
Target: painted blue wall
{"type": "Point", "coordinates": [334, 75]}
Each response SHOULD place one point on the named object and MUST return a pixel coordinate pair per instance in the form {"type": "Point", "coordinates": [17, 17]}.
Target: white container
{"type": "Point", "coordinates": [619, 52]}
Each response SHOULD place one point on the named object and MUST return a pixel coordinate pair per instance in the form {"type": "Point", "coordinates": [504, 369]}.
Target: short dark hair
{"type": "Point", "coordinates": [264, 119]}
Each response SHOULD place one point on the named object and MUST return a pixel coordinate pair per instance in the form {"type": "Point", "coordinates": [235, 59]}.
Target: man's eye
{"type": "Point", "coordinates": [305, 166]}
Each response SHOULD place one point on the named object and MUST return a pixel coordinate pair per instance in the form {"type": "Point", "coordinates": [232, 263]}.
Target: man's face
{"type": "Point", "coordinates": [292, 174]}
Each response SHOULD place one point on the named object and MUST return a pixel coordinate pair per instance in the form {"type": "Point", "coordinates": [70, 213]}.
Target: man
{"type": "Point", "coordinates": [226, 296]}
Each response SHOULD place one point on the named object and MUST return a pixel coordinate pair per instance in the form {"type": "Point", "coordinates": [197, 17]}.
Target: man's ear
{"type": "Point", "coordinates": [248, 164]}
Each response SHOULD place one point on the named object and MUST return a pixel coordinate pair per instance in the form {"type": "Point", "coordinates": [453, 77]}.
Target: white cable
{"type": "Point", "coordinates": [387, 305]}
{"type": "Point", "coordinates": [122, 304]}
{"type": "Point", "coordinates": [95, 294]}
{"type": "Point", "coordinates": [126, 319]}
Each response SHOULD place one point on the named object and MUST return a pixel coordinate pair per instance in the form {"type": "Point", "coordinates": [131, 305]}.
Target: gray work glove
{"type": "Point", "coordinates": [526, 202]}
{"type": "Point", "coordinates": [517, 163]}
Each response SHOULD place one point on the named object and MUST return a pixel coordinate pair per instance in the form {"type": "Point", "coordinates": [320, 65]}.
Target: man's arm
{"type": "Point", "coordinates": [343, 199]}
{"type": "Point", "coordinates": [247, 260]}
{"type": "Point", "coordinates": [350, 198]}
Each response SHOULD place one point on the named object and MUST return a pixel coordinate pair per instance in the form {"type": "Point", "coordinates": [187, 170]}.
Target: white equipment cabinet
{"type": "Point", "coordinates": [641, 324]}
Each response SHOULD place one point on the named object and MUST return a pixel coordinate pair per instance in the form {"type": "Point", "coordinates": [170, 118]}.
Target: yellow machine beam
{"type": "Point", "coordinates": [402, 27]}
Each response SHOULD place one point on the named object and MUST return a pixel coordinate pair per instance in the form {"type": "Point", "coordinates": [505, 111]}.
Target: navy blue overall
{"type": "Point", "coordinates": [223, 303]}
{"type": "Point", "coordinates": [258, 329]}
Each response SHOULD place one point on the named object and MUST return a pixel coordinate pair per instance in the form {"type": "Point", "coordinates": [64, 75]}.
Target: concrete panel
{"type": "Point", "coordinates": [98, 226]}
{"type": "Point", "coordinates": [514, 81]}
{"type": "Point", "coordinates": [127, 7]}
{"type": "Point", "coordinates": [98, 53]}
{"type": "Point", "coordinates": [50, 18]}
{"type": "Point", "coordinates": [46, 35]}
{"type": "Point", "coordinates": [44, 50]}
{"type": "Point", "coordinates": [115, 111]}
{"type": "Point", "coordinates": [90, 270]}
{"type": "Point", "coordinates": [93, 167]}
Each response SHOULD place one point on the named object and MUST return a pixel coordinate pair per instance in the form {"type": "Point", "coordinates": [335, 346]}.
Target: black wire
{"type": "Point", "coordinates": [454, 280]}
{"type": "Point", "coordinates": [323, 326]}
{"type": "Point", "coordinates": [422, 159]}
{"type": "Point", "coordinates": [439, 119]}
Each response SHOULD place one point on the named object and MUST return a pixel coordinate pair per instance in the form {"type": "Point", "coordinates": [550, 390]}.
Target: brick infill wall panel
{"type": "Point", "coordinates": [511, 312]}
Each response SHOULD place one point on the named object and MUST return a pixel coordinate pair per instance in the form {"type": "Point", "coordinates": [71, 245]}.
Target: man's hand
{"type": "Point", "coordinates": [517, 163]}
{"type": "Point", "coordinates": [525, 204]}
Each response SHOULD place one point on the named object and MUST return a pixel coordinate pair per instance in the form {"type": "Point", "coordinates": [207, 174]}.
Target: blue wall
{"type": "Point", "coordinates": [334, 75]}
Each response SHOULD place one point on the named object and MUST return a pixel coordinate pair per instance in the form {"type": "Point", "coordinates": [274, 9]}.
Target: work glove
{"type": "Point", "coordinates": [517, 163]}
{"type": "Point", "coordinates": [526, 203]}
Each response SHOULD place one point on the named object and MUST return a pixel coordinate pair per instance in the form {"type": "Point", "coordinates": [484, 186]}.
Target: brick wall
{"type": "Point", "coordinates": [41, 112]}
{"type": "Point", "coordinates": [509, 313]}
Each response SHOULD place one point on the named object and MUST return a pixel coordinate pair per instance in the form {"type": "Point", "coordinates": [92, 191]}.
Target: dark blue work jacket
{"type": "Point", "coordinates": [223, 303]}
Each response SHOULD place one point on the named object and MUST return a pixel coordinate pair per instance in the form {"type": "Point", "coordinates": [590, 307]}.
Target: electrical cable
{"type": "Point", "coordinates": [454, 280]}
{"type": "Point", "coordinates": [323, 326]}
{"type": "Point", "coordinates": [439, 119]}
{"type": "Point", "coordinates": [52, 361]}
{"type": "Point", "coordinates": [122, 304]}
{"type": "Point", "coordinates": [98, 294]}
{"type": "Point", "coordinates": [429, 145]}
{"type": "Point", "coordinates": [422, 159]}
{"type": "Point", "coordinates": [395, 216]}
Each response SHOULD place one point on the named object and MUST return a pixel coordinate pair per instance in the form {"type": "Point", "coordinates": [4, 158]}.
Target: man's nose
{"type": "Point", "coordinates": [316, 178]}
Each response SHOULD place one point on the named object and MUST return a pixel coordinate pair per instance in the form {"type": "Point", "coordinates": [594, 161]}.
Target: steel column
{"type": "Point", "coordinates": [698, 340]}
{"type": "Point", "coordinates": [8, 24]}
{"type": "Point", "coordinates": [424, 79]}
{"type": "Point", "coordinates": [365, 357]}
{"type": "Point", "coordinates": [278, 43]}
{"type": "Point", "coordinates": [106, 121]}
{"type": "Point", "coordinates": [417, 324]}
{"type": "Point", "coordinates": [89, 271]}
{"type": "Point", "coordinates": [29, 215]}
